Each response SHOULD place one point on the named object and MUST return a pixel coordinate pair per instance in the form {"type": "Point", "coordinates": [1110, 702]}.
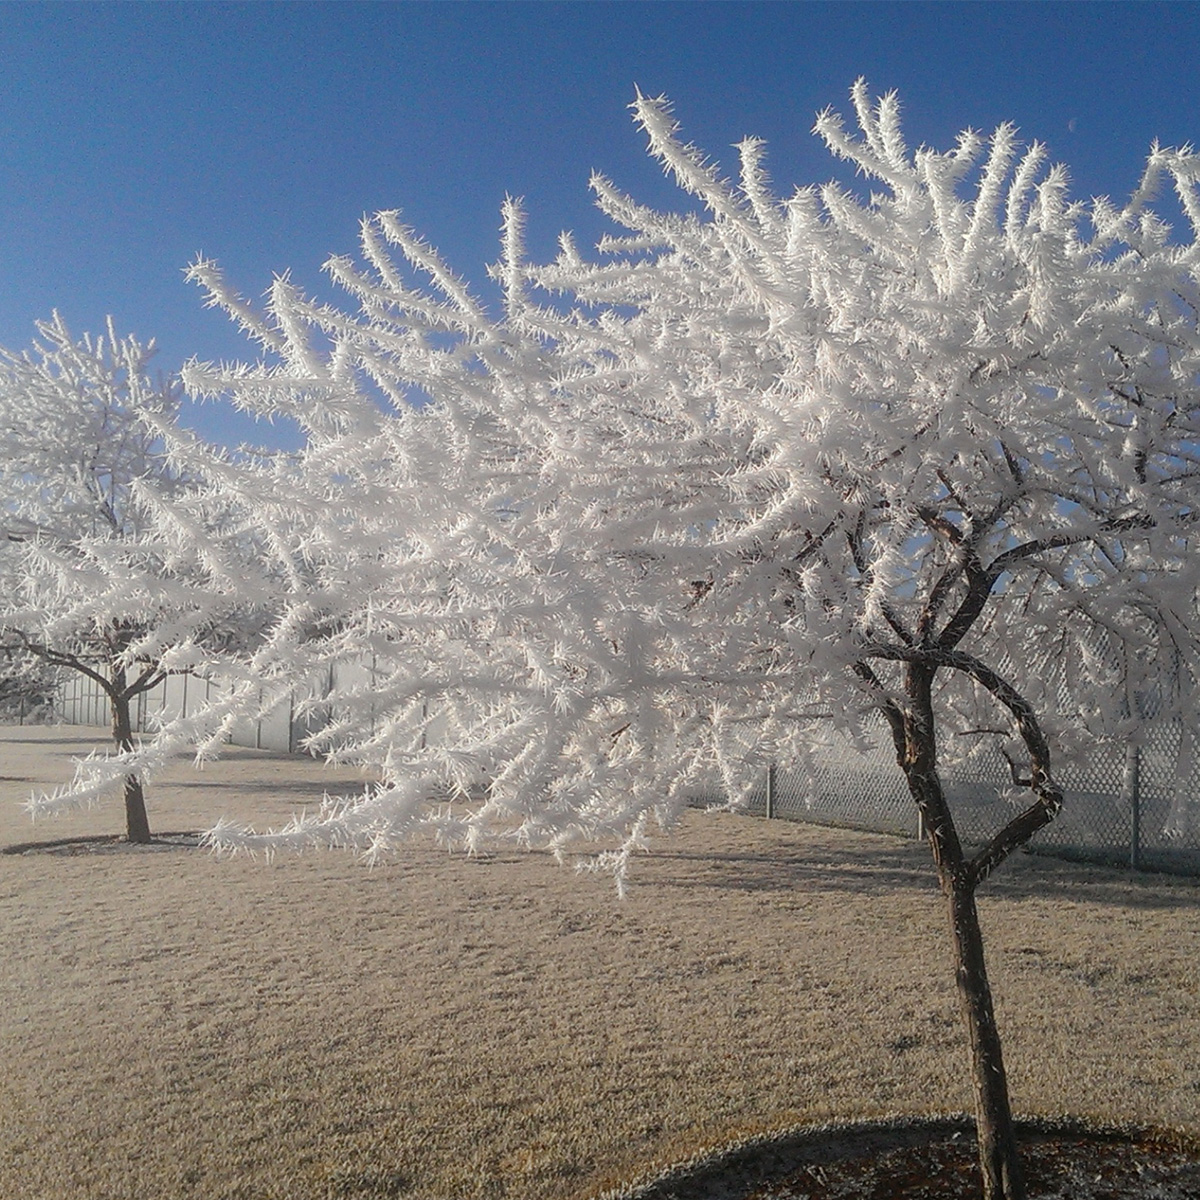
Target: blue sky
{"type": "Point", "coordinates": [133, 135]}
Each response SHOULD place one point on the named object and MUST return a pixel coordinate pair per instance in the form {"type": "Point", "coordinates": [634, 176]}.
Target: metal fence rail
{"type": "Point", "coordinates": [1131, 807]}
{"type": "Point", "coordinates": [1137, 807]}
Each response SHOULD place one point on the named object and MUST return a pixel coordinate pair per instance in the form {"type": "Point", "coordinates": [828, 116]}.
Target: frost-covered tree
{"type": "Point", "coordinates": [87, 582]}
{"type": "Point", "coordinates": [917, 462]}
{"type": "Point", "coordinates": [28, 687]}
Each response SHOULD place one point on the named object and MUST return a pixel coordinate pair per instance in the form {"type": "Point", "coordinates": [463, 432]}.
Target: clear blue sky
{"type": "Point", "coordinates": [133, 135]}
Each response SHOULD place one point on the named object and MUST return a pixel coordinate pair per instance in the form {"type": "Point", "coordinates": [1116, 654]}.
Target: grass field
{"type": "Point", "coordinates": [446, 1028]}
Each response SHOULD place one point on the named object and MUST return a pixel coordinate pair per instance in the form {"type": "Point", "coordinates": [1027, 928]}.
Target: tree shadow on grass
{"type": "Point", "coordinates": [314, 789]}
{"type": "Point", "coordinates": [834, 869]}
{"type": "Point", "coordinates": [98, 843]}
{"type": "Point", "coordinates": [907, 867]}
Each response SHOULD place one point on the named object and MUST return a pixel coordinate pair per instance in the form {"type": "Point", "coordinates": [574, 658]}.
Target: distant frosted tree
{"type": "Point", "coordinates": [28, 687]}
{"type": "Point", "coordinates": [87, 583]}
{"type": "Point", "coordinates": [920, 460]}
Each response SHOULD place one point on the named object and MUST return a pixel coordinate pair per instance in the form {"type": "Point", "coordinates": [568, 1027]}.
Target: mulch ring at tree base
{"type": "Point", "coordinates": [938, 1160]}
{"type": "Point", "coordinates": [106, 843]}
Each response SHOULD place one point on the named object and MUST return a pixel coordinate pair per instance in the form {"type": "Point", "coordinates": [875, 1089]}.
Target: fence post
{"type": "Point", "coordinates": [1131, 787]}
{"type": "Point", "coordinates": [770, 791]}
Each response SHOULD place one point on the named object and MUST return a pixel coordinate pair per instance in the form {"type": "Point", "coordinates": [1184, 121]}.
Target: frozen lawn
{"type": "Point", "coordinates": [174, 1025]}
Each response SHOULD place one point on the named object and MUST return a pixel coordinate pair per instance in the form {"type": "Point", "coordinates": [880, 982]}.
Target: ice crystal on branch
{"type": "Point", "coordinates": [104, 566]}
{"type": "Point", "coordinates": [612, 552]}
{"type": "Point", "coordinates": [916, 465]}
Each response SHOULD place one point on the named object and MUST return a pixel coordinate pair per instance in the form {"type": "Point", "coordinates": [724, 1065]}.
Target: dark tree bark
{"type": "Point", "coordinates": [137, 824]}
{"type": "Point", "coordinates": [998, 1156]}
{"type": "Point", "coordinates": [999, 1161]}
{"type": "Point", "coordinates": [914, 734]}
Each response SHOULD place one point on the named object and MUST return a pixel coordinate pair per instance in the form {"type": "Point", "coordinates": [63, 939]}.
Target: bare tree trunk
{"type": "Point", "coordinates": [137, 824]}
{"type": "Point", "coordinates": [999, 1163]}
{"type": "Point", "coordinates": [916, 743]}
{"type": "Point", "coordinates": [998, 1160]}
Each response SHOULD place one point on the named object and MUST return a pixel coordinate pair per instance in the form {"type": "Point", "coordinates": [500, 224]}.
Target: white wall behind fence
{"type": "Point", "coordinates": [82, 702]}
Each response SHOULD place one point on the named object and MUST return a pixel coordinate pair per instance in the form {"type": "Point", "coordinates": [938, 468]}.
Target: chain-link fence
{"type": "Point", "coordinates": [1136, 807]}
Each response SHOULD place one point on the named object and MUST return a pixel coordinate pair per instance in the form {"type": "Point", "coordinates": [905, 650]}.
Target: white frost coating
{"type": "Point", "coordinates": [665, 519]}
{"type": "Point", "coordinates": [105, 557]}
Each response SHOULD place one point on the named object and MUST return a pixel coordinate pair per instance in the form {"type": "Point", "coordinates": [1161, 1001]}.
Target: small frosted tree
{"type": "Point", "coordinates": [87, 583]}
{"type": "Point", "coordinates": [919, 464]}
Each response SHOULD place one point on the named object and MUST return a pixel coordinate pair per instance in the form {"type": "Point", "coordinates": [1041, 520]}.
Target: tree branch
{"type": "Point", "coordinates": [1049, 795]}
{"type": "Point", "coordinates": [865, 569]}
{"type": "Point", "coordinates": [60, 658]}
{"type": "Point", "coordinates": [1059, 541]}
{"type": "Point", "coordinates": [149, 678]}
{"type": "Point", "coordinates": [939, 524]}
{"type": "Point", "coordinates": [979, 588]}
{"type": "Point", "coordinates": [891, 710]}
